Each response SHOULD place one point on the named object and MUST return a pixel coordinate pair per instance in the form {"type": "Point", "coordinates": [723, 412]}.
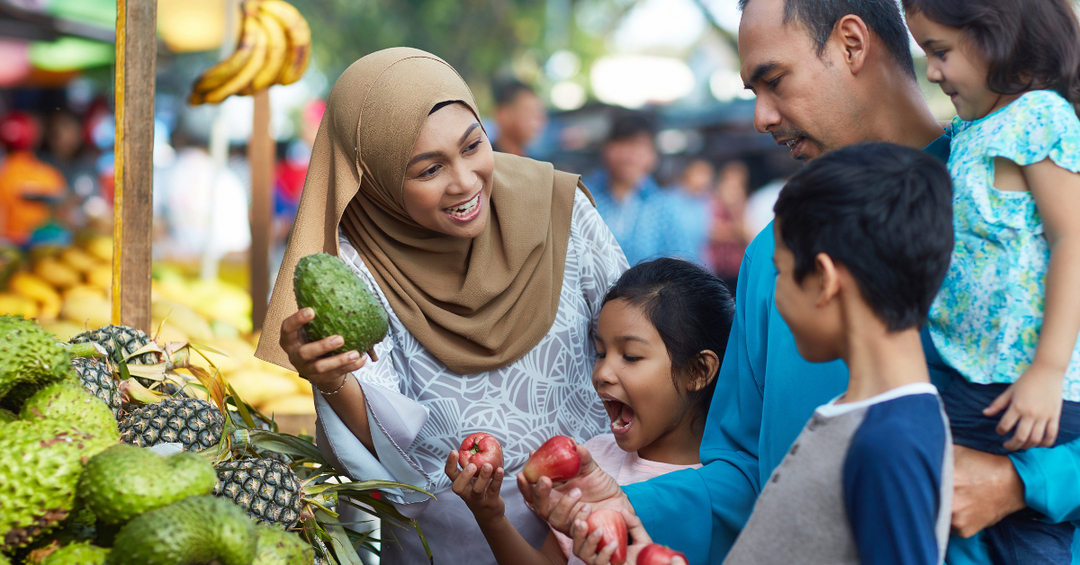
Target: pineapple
{"type": "Point", "coordinates": [98, 379]}
{"type": "Point", "coordinates": [195, 423]}
{"type": "Point", "coordinates": [269, 490]}
{"type": "Point", "coordinates": [119, 342]}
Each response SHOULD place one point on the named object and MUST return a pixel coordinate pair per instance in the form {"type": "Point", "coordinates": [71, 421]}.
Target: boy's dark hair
{"type": "Point", "coordinates": [882, 17]}
{"type": "Point", "coordinates": [1028, 44]}
{"type": "Point", "coordinates": [882, 211]}
{"type": "Point", "coordinates": [690, 308]}
{"type": "Point", "coordinates": [506, 91]}
{"type": "Point", "coordinates": [630, 123]}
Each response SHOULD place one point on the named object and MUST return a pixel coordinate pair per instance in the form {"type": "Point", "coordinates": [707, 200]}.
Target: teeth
{"type": "Point", "coordinates": [618, 424]}
{"type": "Point", "coordinates": [790, 143]}
{"type": "Point", "coordinates": [466, 208]}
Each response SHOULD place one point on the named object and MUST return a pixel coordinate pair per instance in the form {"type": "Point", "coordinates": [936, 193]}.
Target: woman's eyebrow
{"type": "Point", "coordinates": [467, 132]}
{"type": "Point", "coordinates": [422, 156]}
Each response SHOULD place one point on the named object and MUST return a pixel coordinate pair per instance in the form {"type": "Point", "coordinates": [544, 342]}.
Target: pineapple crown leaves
{"type": "Point", "coordinates": [323, 486]}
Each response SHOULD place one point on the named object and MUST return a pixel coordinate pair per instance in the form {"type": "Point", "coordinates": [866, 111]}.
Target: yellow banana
{"type": "Point", "coordinates": [12, 304]}
{"type": "Point", "coordinates": [214, 77]}
{"type": "Point", "coordinates": [56, 273]}
{"type": "Point", "coordinates": [248, 72]}
{"type": "Point", "coordinates": [276, 48]}
{"type": "Point", "coordinates": [35, 288]}
{"type": "Point", "coordinates": [78, 259]}
{"type": "Point", "coordinates": [298, 35]}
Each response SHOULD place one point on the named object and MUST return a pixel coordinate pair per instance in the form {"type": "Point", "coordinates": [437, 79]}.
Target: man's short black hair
{"type": "Point", "coordinates": [506, 91]}
{"type": "Point", "coordinates": [630, 123]}
{"type": "Point", "coordinates": [882, 17]}
{"type": "Point", "coordinates": [882, 211]}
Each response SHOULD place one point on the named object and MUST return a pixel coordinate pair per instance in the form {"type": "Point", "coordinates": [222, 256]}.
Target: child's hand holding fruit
{"type": "Point", "coordinates": [479, 480]}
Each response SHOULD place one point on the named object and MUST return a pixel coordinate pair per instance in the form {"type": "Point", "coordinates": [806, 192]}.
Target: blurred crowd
{"type": "Point", "coordinates": [56, 178]}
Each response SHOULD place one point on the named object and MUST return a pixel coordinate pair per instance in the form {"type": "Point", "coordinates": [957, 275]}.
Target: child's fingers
{"type": "Point", "coordinates": [566, 507]}
{"type": "Point", "coordinates": [1008, 421]}
{"type": "Point", "coordinates": [497, 480]}
{"type": "Point", "coordinates": [1021, 435]}
{"type": "Point", "coordinates": [482, 479]}
{"type": "Point", "coordinates": [585, 543]}
{"type": "Point", "coordinates": [451, 467]}
{"type": "Point", "coordinates": [1051, 434]}
{"type": "Point", "coordinates": [461, 483]}
{"type": "Point", "coordinates": [999, 404]}
{"type": "Point", "coordinates": [1038, 432]}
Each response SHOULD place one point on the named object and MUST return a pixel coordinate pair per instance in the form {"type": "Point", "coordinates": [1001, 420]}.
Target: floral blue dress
{"type": "Point", "coordinates": [985, 321]}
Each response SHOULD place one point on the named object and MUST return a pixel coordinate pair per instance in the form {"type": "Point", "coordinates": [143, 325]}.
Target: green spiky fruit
{"type": "Point", "coordinates": [269, 490]}
{"type": "Point", "coordinates": [63, 401]}
{"type": "Point", "coordinates": [125, 481]}
{"type": "Point", "coordinates": [83, 553]}
{"type": "Point", "coordinates": [7, 416]}
{"type": "Point", "coordinates": [29, 357]}
{"type": "Point", "coordinates": [120, 342]}
{"type": "Point", "coordinates": [197, 529]}
{"type": "Point", "coordinates": [195, 423]}
{"type": "Point", "coordinates": [40, 462]}
{"type": "Point", "coordinates": [278, 547]}
{"type": "Point", "coordinates": [98, 380]}
{"type": "Point", "coordinates": [342, 302]}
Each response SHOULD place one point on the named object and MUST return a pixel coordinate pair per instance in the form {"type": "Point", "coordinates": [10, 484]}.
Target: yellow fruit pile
{"type": "Point", "coordinates": [274, 48]}
{"type": "Point", "coordinates": [69, 284]}
{"type": "Point", "coordinates": [68, 291]}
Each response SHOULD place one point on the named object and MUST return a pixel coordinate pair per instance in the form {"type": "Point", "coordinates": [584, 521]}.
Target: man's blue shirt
{"type": "Point", "coordinates": [765, 393]}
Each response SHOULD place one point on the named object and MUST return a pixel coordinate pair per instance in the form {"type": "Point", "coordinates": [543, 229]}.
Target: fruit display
{"type": "Point", "coordinates": [219, 484]}
{"type": "Point", "coordinates": [342, 303]}
{"type": "Point", "coordinates": [184, 309]}
{"type": "Point", "coordinates": [614, 528]}
{"type": "Point", "coordinates": [557, 459]}
{"type": "Point", "coordinates": [274, 47]}
{"type": "Point", "coordinates": [656, 554]}
{"type": "Point", "coordinates": [480, 448]}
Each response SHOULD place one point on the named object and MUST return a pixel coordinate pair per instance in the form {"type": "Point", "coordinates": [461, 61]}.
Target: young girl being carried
{"type": "Point", "coordinates": [661, 334]}
{"type": "Point", "coordinates": [1008, 314]}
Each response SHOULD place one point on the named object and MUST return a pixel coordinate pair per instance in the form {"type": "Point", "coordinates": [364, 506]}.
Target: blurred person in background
{"type": "Point", "coordinates": [203, 207]}
{"type": "Point", "coordinates": [65, 149]}
{"type": "Point", "coordinates": [695, 196]}
{"type": "Point", "coordinates": [520, 116]}
{"type": "Point", "coordinates": [727, 234]}
{"type": "Point", "coordinates": [645, 219]}
{"type": "Point", "coordinates": [29, 188]}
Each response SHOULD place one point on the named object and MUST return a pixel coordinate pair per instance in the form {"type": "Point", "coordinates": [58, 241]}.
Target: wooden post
{"type": "Point", "coordinates": [136, 51]}
{"type": "Point", "coordinates": [261, 160]}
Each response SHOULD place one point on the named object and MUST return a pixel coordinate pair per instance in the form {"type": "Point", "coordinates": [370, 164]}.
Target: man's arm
{"type": "Point", "coordinates": [722, 492]}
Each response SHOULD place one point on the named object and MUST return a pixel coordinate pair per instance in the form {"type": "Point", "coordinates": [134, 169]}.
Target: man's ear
{"type": "Point", "coordinates": [826, 271]}
{"type": "Point", "coordinates": [853, 38]}
{"type": "Point", "coordinates": [704, 370]}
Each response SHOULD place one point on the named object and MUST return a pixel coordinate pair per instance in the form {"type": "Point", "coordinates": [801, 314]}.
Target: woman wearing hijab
{"type": "Point", "coordinates": [492, 268]}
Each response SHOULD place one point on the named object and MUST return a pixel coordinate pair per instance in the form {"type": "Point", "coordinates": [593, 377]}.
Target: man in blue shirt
{"type": "Point", "coordinates": [826, 74]}
{"type": "Point", "coordinates": [644, 218]}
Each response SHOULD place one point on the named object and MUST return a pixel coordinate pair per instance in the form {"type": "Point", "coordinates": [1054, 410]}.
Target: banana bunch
{"type": "Point", "coordinates": [274, 48]}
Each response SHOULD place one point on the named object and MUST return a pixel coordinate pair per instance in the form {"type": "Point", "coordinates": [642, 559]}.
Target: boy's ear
{"type": "Point", "coordinates": [853, 38]}
{"type": "Point", "coordinates": [705, 369]}
{"type": "Point", "coordinates": [825, 269]}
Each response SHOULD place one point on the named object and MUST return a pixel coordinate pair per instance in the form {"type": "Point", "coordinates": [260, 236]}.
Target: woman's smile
{"type": "Point", "coordinates": [466, 211]}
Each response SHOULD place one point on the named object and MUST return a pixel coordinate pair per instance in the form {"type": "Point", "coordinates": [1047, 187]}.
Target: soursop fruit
{"type": "Point", "coordinates": [195, 530]}
{"type": "Point", "coordinates": [195, 423]}
{"type": "Point", "coordinates": [40, 463]}
{"type": "Point", "coordinates": [268, 490]}
{"type": "Point", "coordinates": [7, 416]}
{"type": "Point", "coordinates": [342, 302]}
{"type": "Point", "coordinates": [278, 547]}
{"type": "Point", "coordinates": [82, 553]}
{"type": "Point", "coordinates": [64, 401]}
{"type": "Point", "coordinates": [125, 481]}
{"type": "Point", "coordinates": [30, 358]}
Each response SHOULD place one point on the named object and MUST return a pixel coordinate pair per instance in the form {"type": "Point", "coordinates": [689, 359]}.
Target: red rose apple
{"type": "Point", "coordinates": [557, 460]}
{"type": "Point", "coordinates": [614, 531]}
{"type": "Point", "coordinates": [480, 448]}
{"type": "Point", "coordinates": [656, 554]}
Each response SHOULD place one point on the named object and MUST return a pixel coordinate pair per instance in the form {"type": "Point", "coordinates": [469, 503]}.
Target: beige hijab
{"type": "Point", "coordinates": [476, 304]}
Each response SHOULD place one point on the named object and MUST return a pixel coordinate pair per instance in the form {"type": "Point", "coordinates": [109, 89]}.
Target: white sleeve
{"type": "Point", "coordinates": [394, 419]}
{"type": "Point", "coordinates": [602, 261]}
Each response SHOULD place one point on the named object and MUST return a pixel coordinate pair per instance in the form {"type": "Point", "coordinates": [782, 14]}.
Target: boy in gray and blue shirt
{"type": "Point", "coordinates": [863, 240]}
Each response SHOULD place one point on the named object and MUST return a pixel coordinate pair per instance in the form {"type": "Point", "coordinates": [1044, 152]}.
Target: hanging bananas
{"type": "Point", "coordinates": [274, 48]}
